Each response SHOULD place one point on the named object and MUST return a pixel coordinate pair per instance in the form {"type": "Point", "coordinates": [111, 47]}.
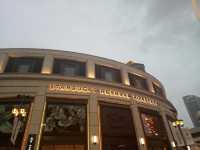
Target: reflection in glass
{"type": "Point", "coordinates": [149, 123]}
{"type": "Point", "coordinates": [65, 127]}
{"type": "Point", "coordinates": [64, 118]}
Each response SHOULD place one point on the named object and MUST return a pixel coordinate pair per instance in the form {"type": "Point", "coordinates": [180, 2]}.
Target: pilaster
{"type": "Point", "coordinates": [90, 69]}
{"type": "Point", "coordinates": [170, 136]}
{"type": "Point", "coordinates": [138, 127]}
{"type": "Point", "coordinates": [124, 75]}
{"type": "Point", "coordinates": [150, 85]}
{"type": "Point", "coordinates": [3, 61]}
{"type": "Point", "coordinates": [37, 118]}
{"type": "Point", "coordinates": [93, 123]}
{"type": "Point", "coordinates": [47, 64]}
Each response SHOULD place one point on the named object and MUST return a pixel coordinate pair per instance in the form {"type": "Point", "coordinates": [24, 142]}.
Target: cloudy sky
{"type": "Point", "coordinates": [162, 34]}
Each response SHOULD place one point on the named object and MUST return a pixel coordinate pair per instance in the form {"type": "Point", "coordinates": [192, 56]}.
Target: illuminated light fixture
{"type": "Point", "coordinates": [45, 72]}
{"type": "Point", "coordinates": [91, 75]}
{"type": "Point", "coordinates": [179, 123]}
{"type": "Point", "coordinates": [173, 144]}
{"type": "Point", "coordinates": [23, 112]}
{"type": "Point", "coordinates": [188, 147]}
{"type": "Point", "coordinates": [95, 139]}
{"type": "Point", "coordinates": [15, 112]}
{"type": "Point", "coordinates": [156, 134]}
{"type": "Point", "coordinates": [19, 111]}
{"type": "Point", "coordinates": [142, 141]}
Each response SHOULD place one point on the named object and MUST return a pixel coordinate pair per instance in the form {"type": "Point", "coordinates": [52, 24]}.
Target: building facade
{"type": "Point", "coordinates": [63, 100]}
{"type": "Point", "coordinates": [192, 104]}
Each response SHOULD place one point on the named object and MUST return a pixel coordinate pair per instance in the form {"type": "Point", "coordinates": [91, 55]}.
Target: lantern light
{"type": "Point", "coordinates": [188, 147]}
{"type": "Point", "coordinates": [19, 111]}
{"type": "Point", "coordinates": [15, 112]}
{"type": "Point", "coordinates": [142, 141]}
{"type": "Point", "coordinates": [178, 123]}
{"type": "Point", "coordinates": [173, 144]}
{"type": "Point", "coordinates": [23, 112]}
{"type": "Point", "coordinates": [95, 139]}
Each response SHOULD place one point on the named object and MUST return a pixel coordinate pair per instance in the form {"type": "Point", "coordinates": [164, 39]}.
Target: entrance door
{"type": "Point", "coordinates": [65, 127]}
{"type": "Point", "coordinates": [117, 128]}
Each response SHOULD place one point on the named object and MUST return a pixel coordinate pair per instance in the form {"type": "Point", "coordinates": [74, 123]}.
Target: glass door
{"type": "Point", "coordinates": [117, 128]}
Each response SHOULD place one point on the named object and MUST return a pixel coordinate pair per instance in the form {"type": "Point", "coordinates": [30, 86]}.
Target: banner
{"type": "Point", "coordinates": [15, 130]}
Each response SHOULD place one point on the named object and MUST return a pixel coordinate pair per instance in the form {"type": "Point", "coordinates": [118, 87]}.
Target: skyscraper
{"type": "Point", "coordinates": [192, 104]}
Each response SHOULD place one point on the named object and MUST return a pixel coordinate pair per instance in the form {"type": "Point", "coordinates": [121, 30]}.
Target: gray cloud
{"type": "Point", "coordinates": [162, 34]}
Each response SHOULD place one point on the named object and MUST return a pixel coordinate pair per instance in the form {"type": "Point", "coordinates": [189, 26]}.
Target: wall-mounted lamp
{"type": "Point", "coordinates": [173, 144]}
{"type": "Point", "coordinates": [177, 123]}
{"type": "Point", "coordinates": [19, 111]}
{"type": "Point", "coordinates": [142, 141]}
{"type": "Point", "coordinates": [94, 139]}
{"type": "Point", "coordinates": [188, 147]}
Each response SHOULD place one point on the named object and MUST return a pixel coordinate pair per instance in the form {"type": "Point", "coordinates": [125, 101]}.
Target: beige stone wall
{"type": "Point", "coordinates": [50, 55]}
{"type": "Point", "coordinates": [39, 90]}
{"type": "Point", "coordinates": [36, 85]}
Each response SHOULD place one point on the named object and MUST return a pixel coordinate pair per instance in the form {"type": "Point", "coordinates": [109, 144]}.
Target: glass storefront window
{"type": "Point", "coordinates": [138, 82]}
{"type": "Point", "coordinates": [69, 67]}
{"type": "Point", "coordinates": [107, 73]}
{"type": "Point", "coordinates": [12, 127]}
{"type": "Point", "coordinates": [65, 127]}
{"type": "Point", "coordinates": [24, 65]}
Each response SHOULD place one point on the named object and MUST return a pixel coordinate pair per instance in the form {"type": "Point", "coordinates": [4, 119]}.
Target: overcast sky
{"type": "Point", "coordinates": [162, 34]}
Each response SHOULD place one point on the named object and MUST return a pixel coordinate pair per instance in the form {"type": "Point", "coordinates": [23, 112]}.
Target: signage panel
{"type": "Point", "coordinates": [31, 142]}
{"type": "Point", "coordinates": [104, 92]}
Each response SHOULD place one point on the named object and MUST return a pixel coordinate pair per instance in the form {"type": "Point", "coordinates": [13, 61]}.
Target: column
{"type": "Point", "coordinates": [170, 136]}
{"type": "Point", "coordinates": [138, 127]}
{"type": "Point", "coordinates": [47, 64]}
{"type": "Point", "coordinates": [150, 85]}
{"type": "Point", "coordinates": [3, 61]}
{"type": "Point", "coordinates": [90, 69]}
{"type": "Point", "coordinates": [164, 91]}
{"type": "Point", "coordinates": [124, 75]}
{"type": "Point", "coordinates": [93, 120]}
{"type": "Point", "coordinates": [38, 112]}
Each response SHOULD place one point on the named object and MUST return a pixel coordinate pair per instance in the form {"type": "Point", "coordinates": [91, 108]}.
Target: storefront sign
{"type": "Point", "coordinates": [31, 142]}
{"type": "Point", "coordinates": [103, 91]}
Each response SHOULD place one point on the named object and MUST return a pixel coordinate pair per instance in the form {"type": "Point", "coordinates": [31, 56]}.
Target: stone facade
{"type": "Point", "coordinates": [38, 86]}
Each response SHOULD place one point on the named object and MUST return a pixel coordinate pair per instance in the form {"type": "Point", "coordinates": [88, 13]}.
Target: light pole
{"type": "Point", "coordinates": [179, 123]}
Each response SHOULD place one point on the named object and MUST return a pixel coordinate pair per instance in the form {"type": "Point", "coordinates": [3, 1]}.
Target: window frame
{"type": "Point", "coordinates": [132, 78]}
{"type": "Point", "coordinates": [160, 92]}
{"type": "Point", "coordinates": [58, 71]}
{"type": "Point", "coordinates": [99, 73]}
{"type": "Point", "coordinates": [35, 64]}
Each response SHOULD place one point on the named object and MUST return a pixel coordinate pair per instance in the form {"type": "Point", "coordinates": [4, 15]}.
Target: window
{"type": "Point", "coordinates": [66, 127]}
{"type": "Point", "coordinates": [157, 90]}
{"type": "Point", "coordinates": [138, 82]}
{"type": "Point", "coordinates": [69, 67]}
{"type": "Point", "coordinates": [24, 65]}
{"type": "Point", "coordinates": [108, 74]}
